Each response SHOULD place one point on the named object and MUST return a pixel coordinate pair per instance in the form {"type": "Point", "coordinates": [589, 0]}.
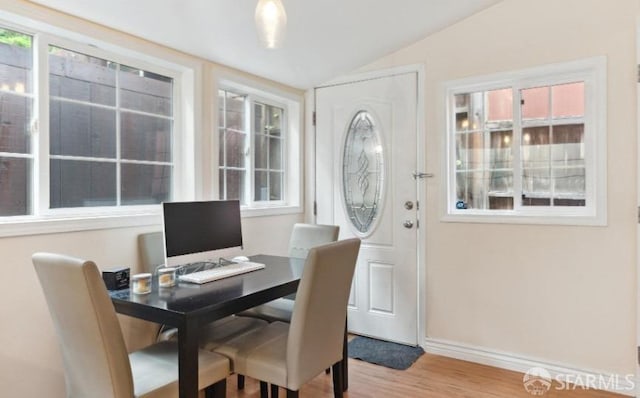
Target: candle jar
{"type": "Point", "coordinates": [167, 277]}
{"type": "Point", "coordinates": [141, 283]}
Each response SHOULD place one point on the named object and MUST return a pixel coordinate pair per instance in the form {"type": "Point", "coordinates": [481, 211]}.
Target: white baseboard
{"type": "Point", "coordinates": [522, 364]}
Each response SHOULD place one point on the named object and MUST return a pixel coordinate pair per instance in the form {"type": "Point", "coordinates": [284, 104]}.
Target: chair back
{"type": "Point", "coordinates": [151, 250]}
{"type": "Point", "coordinates": [306, 236]}
{"type": "Point", "coordinates": [317, 326]}
{"type": "Point", "coordinates": [95, 358]}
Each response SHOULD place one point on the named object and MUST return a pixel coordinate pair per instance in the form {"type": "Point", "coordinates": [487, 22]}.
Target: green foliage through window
{"type": "Point", "coordinates": [15, 39]}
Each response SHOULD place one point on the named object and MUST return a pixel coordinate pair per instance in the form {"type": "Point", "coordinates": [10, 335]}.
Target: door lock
{"type": "Point", "coordinates": [408, 205]}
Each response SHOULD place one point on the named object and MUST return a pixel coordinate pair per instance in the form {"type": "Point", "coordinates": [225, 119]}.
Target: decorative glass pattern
{"type": "Point", "coordinates": [362, 171]}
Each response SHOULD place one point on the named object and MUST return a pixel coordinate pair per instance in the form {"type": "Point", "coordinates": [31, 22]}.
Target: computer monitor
{"type": "Point", "coordinates": [200, 231]}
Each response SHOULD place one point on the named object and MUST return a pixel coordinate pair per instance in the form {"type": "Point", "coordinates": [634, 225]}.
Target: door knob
{"type": "Point", "coordinates": [408, 224]}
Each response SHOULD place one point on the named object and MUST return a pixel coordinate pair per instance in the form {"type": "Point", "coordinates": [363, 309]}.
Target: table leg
{"type": "Point", "coordinates": [188, 359]}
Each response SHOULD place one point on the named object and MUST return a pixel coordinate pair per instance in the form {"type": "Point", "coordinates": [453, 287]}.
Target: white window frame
{"type": "Point", "coordinates": [292, 161]}
{"type": "Point", "coordinates": [592, 72]}
{"type": "Point", "coordinates": [46, 220]}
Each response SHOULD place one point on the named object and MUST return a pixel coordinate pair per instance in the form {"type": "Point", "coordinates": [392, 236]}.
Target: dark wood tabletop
{"type": "Point", "coordinates": [188, 306]}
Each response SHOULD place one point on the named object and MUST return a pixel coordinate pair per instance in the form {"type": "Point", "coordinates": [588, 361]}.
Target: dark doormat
{"type": "Point", "coordinates": [391, 355]}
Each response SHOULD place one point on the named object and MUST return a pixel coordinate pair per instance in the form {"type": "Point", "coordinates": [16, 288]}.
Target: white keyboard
{"type": "Point", "coordinates": [225, 271]}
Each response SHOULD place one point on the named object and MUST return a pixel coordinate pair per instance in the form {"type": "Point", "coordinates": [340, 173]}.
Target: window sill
{"type": "Point", "coordinates": [23, 226]}
{"type": "Point", "coordinates": [61, 224]}
{"type": "Point", "coordinates": [270, 211]}
{"type": "Point", "coordinates": [526, 219]}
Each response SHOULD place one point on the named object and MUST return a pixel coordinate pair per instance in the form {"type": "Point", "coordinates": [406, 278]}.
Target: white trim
{"type": "Point", "coordinates": [421, 164]}
{"type": "Point", "coordinates": [185, 90]}
{"type": "Point", "coordinates": [514, 362]}
{"type": "Point", "coordinates": [24, 227]}
{"type": "Point", "coordinates": [376, 74]}
{"type": "Point", "coordinates": [270, 211]}
{"type": "Point", "coordinates": [292, 106]}
{"type": "Point", "coordinates": [593, 72]}
{"type": "Point", "coordinates": [62, 220]}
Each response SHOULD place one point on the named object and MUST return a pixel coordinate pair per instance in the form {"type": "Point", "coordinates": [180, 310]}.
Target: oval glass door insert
{"type": "Point", "coordinates": [362, 172]}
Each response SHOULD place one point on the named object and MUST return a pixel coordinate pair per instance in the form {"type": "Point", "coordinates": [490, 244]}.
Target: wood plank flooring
{"type": "Point", "coordinates": [431, 376]}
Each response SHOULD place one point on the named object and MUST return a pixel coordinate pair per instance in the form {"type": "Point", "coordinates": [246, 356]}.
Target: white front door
{"type": "Point", "coordinates": [366, 151]}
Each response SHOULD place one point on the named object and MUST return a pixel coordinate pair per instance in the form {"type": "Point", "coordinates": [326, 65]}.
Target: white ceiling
{"type": "Point", "coordinates": [325, 38]}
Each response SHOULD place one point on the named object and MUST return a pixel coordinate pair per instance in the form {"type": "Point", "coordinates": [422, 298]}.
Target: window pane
{"type": "Point", "coordinates": [569, 183]}
{"type": "Point", "coordinates": [221, 176]}
{"type": "Point", "coordinates": [462, 111]}
{"type": "Point", "coordinates": [145, 184]}
{"type": "Point", "coordinates": [536, 183]}
{"type": "Point", "coordinates": [470, 192]}
{"type": "Point", "coordinates": [258, 116]}
{"type": "Point", "coordinates": [535, 103]}
{"type": "Point", "coordinates": [470, 151]}
{"type": "Point", "coordinates": [500, 152]}
{"type": "Point", "coordinates": [568, 100]}
{"type": "Point", "coordinates": [274, 120]}
{"type": "Point", "coordinates": [16, 62]}
{"type": "Point", "coordinates": [235, 116]}
{"type": "Point", "coordinates": [500, 106]}
{"type": "Point", "coordinates": [501, 203]}
{"type": "Point", "coordinates": [235, 148]}
{"type": "Point", "coordinates": [535, 147]}
{"type": "Point", "coordinates": [81, 130]}
{"type": "Point", "coordinates": [275, 154]}
{"type": "Point", "coordinates": [15, 186]}
{"type": "Point", "coordinates": [568, 147]}
{"type": "Point", "coordinates": [145, 91]}
{"type": "Point", "coordinates": [235, 185]}
{"type": "Point", "coordinates": [145, 137]}
{"type": "Point", "coordinates": [268, 119]}
{"type": "Point", "coordinates": [500, 181]}
{"type": "Point", "coordinates": [75, 183]}
{"type": "Point", "coordinates": [275, 183]}
{"type": "Point", "coordinates": [261, 155]}
{"type": "Point", "coordinates": [470, 114]}
{"type": "Point", "coordinates": [15, 117]}
{"type": "Point", "coordinates": [81, 77]}
{"type": "Point", "coordinates": [261, 186]}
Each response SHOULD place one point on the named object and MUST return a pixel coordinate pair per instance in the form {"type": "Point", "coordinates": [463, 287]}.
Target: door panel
{"type": "Point", "coordinates": [365, 155]}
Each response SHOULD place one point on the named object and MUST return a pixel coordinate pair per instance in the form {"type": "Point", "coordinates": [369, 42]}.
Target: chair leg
{"type": "Point", "coordinates": [274, 391]}
{"type": "Point", "coordinates": [345, 359]}
{"type": "Point", "coordinates": [264, 389]}
{"type": "Point", "coordinates": [338, 388]}
{"type": "Point", "coordinates": [218, 390]}
{"type": "Point", "coordinates": [240, 382]}
{"type": "Point", "coordinates": [292, 394]}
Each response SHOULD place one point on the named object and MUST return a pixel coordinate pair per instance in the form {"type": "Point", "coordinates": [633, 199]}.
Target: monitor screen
{"type": "Point", "coordinates": [200, 228]}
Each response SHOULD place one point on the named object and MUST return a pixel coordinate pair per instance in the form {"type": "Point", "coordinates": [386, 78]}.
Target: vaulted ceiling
{"type": "Point", "coordinates": [324, 39]}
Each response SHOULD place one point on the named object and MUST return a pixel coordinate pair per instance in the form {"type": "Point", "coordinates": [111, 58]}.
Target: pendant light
{"type": "Point", "coordinates": [271, 22]}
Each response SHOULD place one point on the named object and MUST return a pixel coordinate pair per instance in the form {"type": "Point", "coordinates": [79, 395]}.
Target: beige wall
{"type": "Point", "coordinates": [30, 361]}
{"type": "Point", "coordinates": [566, 295]}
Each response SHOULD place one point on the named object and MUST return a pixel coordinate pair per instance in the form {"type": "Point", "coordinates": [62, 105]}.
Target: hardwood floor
{"type": "Point", "coordinates": [431, 376]}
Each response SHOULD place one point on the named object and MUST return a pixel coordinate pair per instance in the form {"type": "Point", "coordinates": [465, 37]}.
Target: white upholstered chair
{"type": "Point", "coordinates": [95, 357]}
{"type": "Point", "coordinates": [303, 238]}
{"type": "Point", "coordinates": [289, 355]}
{"type": "Point", "coordinates": [152, 256]}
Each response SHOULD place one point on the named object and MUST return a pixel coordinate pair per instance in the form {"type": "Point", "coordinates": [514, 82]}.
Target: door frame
{"type": "Point", "coordinates": [310, 173]}
{"type": "Point", "coordinates": [637, 351]}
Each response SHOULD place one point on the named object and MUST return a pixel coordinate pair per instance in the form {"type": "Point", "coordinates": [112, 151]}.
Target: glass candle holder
{"type": "Point", "coordinates": [167, 277]}
{"type": "Point", "coordinates": [141, 283]}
